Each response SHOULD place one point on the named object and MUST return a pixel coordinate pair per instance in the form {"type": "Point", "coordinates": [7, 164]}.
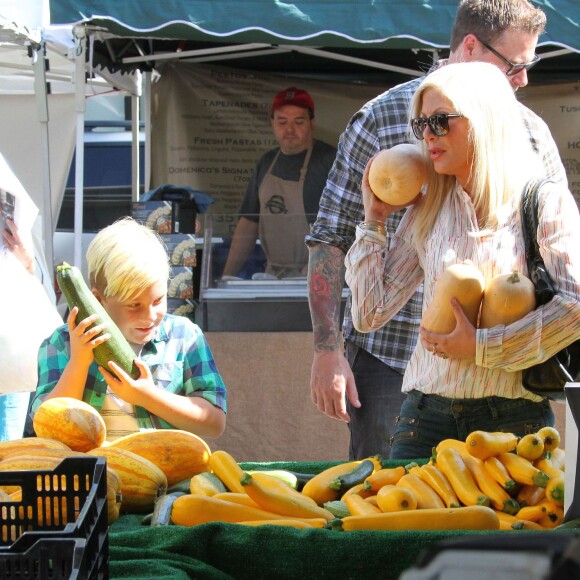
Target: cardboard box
{"type": "Point", "coordinates": [181, 249]}
{"type": "Point", "coordinates": [157, 215]}
{"type": "Point", "coordinates": [180, 283]}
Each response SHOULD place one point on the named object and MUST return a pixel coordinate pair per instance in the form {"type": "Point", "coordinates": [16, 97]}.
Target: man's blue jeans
{"type": "Point", "coordinates": [428, 419]}
{"type": "Point", "coordinates": [379, 391]}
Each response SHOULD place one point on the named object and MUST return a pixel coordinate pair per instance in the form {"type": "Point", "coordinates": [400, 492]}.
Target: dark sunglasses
{"type": "Point", "coordinates": [513, 68]}
{"type": "Point", "coordinates": [438, 123]}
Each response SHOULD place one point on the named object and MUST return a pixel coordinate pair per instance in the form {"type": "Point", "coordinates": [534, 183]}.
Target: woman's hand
{"type": "Point", "coordinates": [83, 339]}
{"type": "Point", "coordinates": [458, 344]}
{"type": "Point", "coordinates": [14, 243]}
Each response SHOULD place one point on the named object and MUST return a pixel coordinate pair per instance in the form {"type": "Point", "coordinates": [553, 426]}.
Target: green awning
{"type": "Point", "coordinates": [330, 23]}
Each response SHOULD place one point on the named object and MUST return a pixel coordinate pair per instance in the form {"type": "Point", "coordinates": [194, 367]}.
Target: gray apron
{"type": "Point", "coordinates": [283, 223]}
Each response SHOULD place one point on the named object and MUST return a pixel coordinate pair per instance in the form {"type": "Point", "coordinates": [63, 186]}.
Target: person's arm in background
{"type": "Point", "coordinates": [243, 244]}
{"type": "Point", "coordinates": [331, 378]}
{"type": "Point", "coordinates": [14, 243]}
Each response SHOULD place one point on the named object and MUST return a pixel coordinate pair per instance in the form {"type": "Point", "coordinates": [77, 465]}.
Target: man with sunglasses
{"type": "Point", "coordinates": [359, 382]}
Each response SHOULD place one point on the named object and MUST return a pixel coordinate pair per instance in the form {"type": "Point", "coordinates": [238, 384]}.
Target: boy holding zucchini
{"type": "Point", "coordinates": [177, 384]}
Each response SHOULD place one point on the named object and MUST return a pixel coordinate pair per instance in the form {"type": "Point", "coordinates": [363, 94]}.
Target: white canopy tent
{"type": "Point", "coordinates": [42, 106]}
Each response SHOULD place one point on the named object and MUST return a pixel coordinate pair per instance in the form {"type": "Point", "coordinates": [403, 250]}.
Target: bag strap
{"type": "Point", "coordinates": [536, 268]}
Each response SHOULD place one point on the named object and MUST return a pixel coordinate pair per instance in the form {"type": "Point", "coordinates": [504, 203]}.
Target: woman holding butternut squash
{"type": "Point", "coordinates": [478, 163]}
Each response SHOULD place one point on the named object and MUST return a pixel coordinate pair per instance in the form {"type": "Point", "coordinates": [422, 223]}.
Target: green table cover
{"type": "Point", "coordinates": [226, 551]}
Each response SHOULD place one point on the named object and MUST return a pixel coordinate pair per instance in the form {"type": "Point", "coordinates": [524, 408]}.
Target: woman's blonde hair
{"type": "Point", "coordinates": [503, 159]}
{"type": "Point", "coordinates": [126, 258]}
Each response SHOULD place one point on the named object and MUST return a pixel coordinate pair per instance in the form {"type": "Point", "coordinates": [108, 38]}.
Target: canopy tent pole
{"type": "Point", "coordinates": [147, 115]}
{"type": "Point", "coordinates": [135, 147]}
{"type": "Point", "coordinates": [40, 91]}
{"type": "Point", "coordinates": [80, 86]}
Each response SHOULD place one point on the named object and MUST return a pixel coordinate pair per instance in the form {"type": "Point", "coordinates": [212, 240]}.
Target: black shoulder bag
{"type": "Point", "coordinates": [546, 379]}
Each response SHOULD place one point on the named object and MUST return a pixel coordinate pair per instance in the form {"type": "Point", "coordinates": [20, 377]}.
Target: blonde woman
{"type": "Point", "coordinates": [179, 387]}
{"type": "Point", "coordinates": [479, 160]}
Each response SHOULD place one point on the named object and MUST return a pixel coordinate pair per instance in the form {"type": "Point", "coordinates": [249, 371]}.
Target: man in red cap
{"type": "Point", "coordinates": [283, 195]}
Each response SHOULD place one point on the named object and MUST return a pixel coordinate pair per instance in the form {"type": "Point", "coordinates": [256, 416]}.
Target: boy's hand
{"type": "Point", "coordinates": [83, 339]}
{"type": "Point", "coordinates": [129, 389]}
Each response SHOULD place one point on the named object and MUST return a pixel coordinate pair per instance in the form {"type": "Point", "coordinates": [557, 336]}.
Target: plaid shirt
{"type": "Point", "coordinates": [179, 357]}
{"type": "Point", "coordinates": [381, 124]}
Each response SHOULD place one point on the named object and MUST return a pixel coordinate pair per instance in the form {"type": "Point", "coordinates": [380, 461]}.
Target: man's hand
{"type": "Point", "coordinates": [331, 380]}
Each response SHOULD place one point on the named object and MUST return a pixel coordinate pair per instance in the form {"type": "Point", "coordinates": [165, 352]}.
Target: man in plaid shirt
{"type": "Point", "coordinates": [357, 377]}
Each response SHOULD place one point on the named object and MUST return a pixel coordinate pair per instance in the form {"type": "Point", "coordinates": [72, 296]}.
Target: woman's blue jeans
{"type": "Point", "coordinates": [425, 420]}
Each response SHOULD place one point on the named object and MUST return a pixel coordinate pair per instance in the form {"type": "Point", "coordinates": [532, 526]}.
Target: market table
{"type": "Point", "coordinates": [229, 551]}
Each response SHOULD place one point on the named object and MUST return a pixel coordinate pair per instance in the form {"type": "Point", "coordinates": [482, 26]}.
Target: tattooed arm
{"type": "Point", "coordinates": [331, 378]}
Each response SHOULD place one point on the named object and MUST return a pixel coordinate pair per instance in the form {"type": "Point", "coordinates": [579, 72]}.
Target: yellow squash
{"type": "Point", "coordinates": [463, 518]}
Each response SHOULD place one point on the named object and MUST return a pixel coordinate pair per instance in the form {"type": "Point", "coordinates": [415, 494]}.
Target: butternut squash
{"type": "Point", "coordinates": [507, 298]}
{"type": "Point", "coordinates": [396, 175]}
{"type": "Point", "coordinates": [463, 518]}
{"type": "Point", "coordinates": [484, 444]}
{"type": "Point", "coordinates": [462, 281]}
{"type": "Point", "coordinates": [396, 498]}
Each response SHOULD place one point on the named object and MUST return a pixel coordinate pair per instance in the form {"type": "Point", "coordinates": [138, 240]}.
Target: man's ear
{"type": "Point", "coordinates": [469, 44]}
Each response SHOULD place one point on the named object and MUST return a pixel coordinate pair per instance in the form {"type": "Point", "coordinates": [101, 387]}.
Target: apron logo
{"type": "Point", "coordinates": [276, 205]}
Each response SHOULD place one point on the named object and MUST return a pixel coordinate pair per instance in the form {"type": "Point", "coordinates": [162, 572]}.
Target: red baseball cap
{"type": "Point", "coordinates": [293, 96]}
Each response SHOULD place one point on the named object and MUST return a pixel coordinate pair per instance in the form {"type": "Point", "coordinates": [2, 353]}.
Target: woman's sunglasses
{"type": "Point", "coordinates": [438, 123]}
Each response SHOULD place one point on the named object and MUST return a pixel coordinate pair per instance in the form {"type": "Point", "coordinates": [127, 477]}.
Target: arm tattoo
{"type": "Point", "coordinates": [325, 282]}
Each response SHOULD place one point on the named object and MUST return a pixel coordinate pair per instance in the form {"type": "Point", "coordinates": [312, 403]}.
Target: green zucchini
{"type": "Point", "coordinates": [77, 293]}
{"type": "Point", "coordinates": [180, 486]}
{"type": "Point", "coordinates": [301, 478]}
{"type": "Point", "coordinates": [337, 508]}
{"type": "Point", "coordinates": [162, 509]}
{"type": "Point", "coordinates": [357, 475]}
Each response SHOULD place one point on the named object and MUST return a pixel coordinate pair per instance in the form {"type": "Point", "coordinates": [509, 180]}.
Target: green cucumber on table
{"type": "Point", "coordinates": [76, 292]}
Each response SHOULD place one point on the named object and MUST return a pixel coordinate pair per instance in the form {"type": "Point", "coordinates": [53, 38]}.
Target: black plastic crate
{"type": "Point", "coordinates": [59, 530]}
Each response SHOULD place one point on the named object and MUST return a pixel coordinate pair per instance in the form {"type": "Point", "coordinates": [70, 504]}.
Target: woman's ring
{"type": "Point", "coordinates": [444, 356]}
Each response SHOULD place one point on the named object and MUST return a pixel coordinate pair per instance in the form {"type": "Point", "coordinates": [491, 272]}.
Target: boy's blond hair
{"type": "Point", "coordinates": [126, 258]}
